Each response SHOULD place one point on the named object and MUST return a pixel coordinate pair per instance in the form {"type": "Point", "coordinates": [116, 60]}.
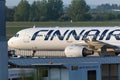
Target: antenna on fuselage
{"type": "Point", "coordinates": [34, 26]}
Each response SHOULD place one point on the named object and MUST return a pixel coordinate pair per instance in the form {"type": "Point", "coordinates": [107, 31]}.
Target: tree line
{"type": "Point", "coordinates": [108, 7]}
{"type": "Point", "coordinates": [106, 12]}
{"type": "Point", "coordinates": [54, 10]}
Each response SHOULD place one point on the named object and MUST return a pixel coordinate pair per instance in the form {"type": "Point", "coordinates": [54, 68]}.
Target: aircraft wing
{"type": "Point", "coordinates": [95, 44]}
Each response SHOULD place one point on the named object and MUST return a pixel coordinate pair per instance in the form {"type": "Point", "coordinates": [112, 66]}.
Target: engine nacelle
{"type": "Point", "coordinates": [117, 51]}
{"type": "Point", "coordinates": [77, 51]}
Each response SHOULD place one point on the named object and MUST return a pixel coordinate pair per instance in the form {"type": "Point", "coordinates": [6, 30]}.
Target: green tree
{"type": "Point", "coordinates": [38, 11]}
{"type": "Point", "coordinates": [78, 10]}
{"type": "Point", "coordinates": [43, 10]}
{"type": "Point", "coordinates": [33, 12]}
{"type": "Point", "coordinates": [22, 11]}
{"type": "Point", "coordinates": [54, 9]}
{"type": "Point", "coordinates": [9, 14]}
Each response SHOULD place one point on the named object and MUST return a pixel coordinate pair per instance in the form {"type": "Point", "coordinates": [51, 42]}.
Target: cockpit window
{"type": "Point", "coordinates": [16, 35]}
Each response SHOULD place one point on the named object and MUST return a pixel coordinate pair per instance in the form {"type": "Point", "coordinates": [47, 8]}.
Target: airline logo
{"type": "Point", "coordinates": [82, 34]}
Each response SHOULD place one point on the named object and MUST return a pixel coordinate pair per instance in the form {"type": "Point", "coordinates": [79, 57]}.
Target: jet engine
{"type": "Point", "coordinates": [117, 51]}
{"type": "Point", "coordinates": [77, 51]}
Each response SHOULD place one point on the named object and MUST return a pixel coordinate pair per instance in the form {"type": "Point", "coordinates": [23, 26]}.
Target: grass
{"type": "Point", "coordinates": [51, 24]}
{"type": "Point", "coordinates": [10, 31]}
{"type": "Point", "coordinates": [13, 27]}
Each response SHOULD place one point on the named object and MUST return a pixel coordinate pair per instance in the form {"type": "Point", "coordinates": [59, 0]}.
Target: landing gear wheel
{"type": "Point", "coordinates": [116, 53]}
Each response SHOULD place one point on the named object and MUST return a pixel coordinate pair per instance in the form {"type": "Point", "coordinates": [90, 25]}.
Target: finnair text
{"type": "Point", "coordinates": [77, 35]}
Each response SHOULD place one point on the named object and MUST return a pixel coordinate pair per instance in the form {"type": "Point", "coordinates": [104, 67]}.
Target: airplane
{"type": "Point", "coordinates": [74, 41]}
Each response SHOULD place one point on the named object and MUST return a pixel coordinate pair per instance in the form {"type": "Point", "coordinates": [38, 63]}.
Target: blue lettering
{"type": "Point", "coordinates": [74, 34]}
{"type": "Point", "coordinates": [117, 36]}
{"type": "Point", "coordinates": [36, 33]}
{"type": "Point", "coordinates": [103, 34]}
{"type": "Point", "coordinates": [94, 35]}
{"type": "Point", "coordinates": [58, 34]}
{"type": "Point", "coordinates": [48, 35]}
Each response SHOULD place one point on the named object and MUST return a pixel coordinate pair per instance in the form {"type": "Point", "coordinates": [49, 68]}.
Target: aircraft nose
{"type": "Point", "coordinates": [10, 43]}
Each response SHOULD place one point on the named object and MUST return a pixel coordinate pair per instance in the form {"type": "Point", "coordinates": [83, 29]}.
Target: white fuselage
{"type": "Point", "coordinates": [60, 38]}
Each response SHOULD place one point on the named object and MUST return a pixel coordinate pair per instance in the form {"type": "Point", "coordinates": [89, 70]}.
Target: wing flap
{"type": "Point", "coordinates": [98, 44]}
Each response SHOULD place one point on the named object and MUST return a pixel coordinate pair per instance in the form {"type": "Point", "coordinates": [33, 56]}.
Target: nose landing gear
{"type": "Point", "coordinates": [33, 54]}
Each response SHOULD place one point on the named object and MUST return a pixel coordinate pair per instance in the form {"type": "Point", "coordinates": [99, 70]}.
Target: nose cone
{"type": "Point", "coordinates": [10, 43]}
